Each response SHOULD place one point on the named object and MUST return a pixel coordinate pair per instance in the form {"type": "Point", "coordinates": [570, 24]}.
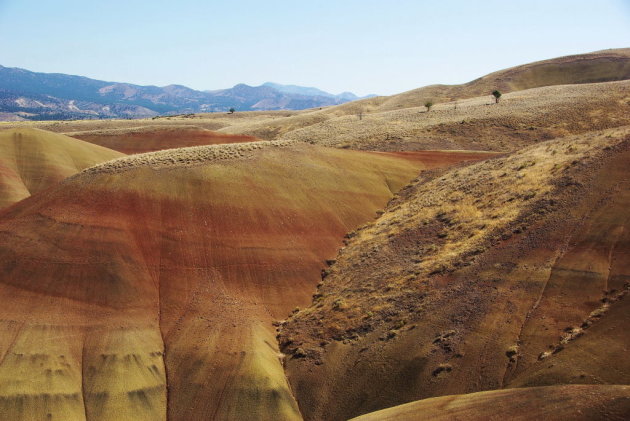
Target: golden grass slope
{"type": "Point", "coordinates": [603, 66]}
{"type": "Point", "coordinates": [558, 403]}
{"type": "Point", "coordinates": [471, 279]}
{"type": "Point", "coordinates": [520, 119]}
{"type": "Point", "coordinates": [599, 66]}
{"type": "Point", "coordinates": [32, 160]}
{"type": "Point", "coordinates": [399, 122]}
{"type": "Point", "coordinates": [146, 287]}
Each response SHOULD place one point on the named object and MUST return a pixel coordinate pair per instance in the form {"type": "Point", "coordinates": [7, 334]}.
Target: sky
{"type": "Point", "coordinates": [365, 46]}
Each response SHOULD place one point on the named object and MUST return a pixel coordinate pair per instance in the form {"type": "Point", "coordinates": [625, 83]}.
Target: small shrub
{"type": "Point", "coordinates": [339, 304]}
{"type": "Point", "coordinates": [442, 368]}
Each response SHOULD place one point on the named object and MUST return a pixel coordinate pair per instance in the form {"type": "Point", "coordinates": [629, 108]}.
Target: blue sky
{"type": "Point", "coordinates": [366, 46]}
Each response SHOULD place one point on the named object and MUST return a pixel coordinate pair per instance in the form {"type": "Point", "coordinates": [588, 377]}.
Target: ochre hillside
{"type": "Point", "coordinates": [599, 66]}
{"type": "Point", "coordinates": [519, 119]}
{"type": "Point", "coordinates": [604, 66]}
{"type": "Point", "coordinates": [555, 403]}
{"type": "Point", "coordinates": [157, 137]}
{"type": "Point", "coordinates": [32, 160]}
{"type": "Point", "coordinates": [507, 273]}
{"type": "Point", "coordinates": [147, 286]}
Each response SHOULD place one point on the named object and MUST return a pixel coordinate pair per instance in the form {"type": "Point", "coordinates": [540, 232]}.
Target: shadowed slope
{"type": "Point", "coordinates": [32, 160]}
{"type": "Point", "coordinates": [158, 137]}
{"type": "Point", "coordinates": [168, 269]}
{"type": "Point", "coordinates": [585, 403]}
{"type": "Point", "coordinates": [470, 279]}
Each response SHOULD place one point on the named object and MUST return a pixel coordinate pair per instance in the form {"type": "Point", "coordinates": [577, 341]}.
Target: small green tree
{"type": "Point", "coordinates": [428, 104]}
{"type": "Point", "coordinates": [232, 110]}
{"type": "Point", "coordinates": [496, 95]}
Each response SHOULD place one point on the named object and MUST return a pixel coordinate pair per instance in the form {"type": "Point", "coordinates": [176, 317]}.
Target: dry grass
{"type": "Point", "coordinates": [522, 118]}
{"type": "Point", "coordinates": [181, 157]}
{"type": "Point", "coordinates": [538, 108]}
{"type": "Point", "coordinates": [440, 224]}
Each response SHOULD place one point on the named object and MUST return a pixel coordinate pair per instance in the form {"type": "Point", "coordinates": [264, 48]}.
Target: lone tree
{"type": "Point", "coordinates": [428, 104]}
{"type": "Point", "coordinates": [232, 110]}
{"type": "Point", "coordinates": [496, 95]}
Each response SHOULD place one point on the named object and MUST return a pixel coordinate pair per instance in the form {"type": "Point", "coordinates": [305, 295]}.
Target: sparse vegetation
{"type": "Point", "coordinates": [442, 368]}
{"type": "Point", "coordinates": [497, 95]}
{"type": "Point", "coordinates": [428, 105]}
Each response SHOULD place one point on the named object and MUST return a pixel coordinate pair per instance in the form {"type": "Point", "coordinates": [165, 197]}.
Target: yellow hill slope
{"type": "Point", "coordinates": [158, 276]}
{"type": "Point", "coordinates": [32, 160]}
{"type": "Point", "coordinates": [557, 403]}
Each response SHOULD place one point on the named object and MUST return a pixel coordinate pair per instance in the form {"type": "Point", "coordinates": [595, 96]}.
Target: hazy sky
{"type": "Point", "coordinates": [362, 46]}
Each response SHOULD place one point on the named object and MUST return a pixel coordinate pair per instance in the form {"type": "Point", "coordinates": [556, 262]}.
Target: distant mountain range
{"type": "Point", "coordinates": [54, 96]}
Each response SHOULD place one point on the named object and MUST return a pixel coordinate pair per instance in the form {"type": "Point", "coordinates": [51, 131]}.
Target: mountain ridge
{"type": "Point", "coordinates": [29, 95]}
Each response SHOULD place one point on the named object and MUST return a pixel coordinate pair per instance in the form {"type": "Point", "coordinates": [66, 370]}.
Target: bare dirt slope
{"type": "Point", "coordinates": [157, 137]}
{"type": "Point", "coordinates": [32, 160]}
{"type": "Point", "coordinates": [475, 279]}
{"type": "Point", "coordinates": [146, 286]}
{"type": "Point", "coordinates": [578, 403]}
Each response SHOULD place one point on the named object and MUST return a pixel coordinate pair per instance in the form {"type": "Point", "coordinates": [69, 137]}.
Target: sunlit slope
{"type": "Point", "coordinates": [520, 119]}
{"type": "Point", "coordinates": [583, 403]}
{"type": "Point", "coordinates": [381, 120]}
{"type": "Point", "coordinates": [147, 286]}
{"type": "Point", "coordinates": [507, 273]}
{"type": "Point", "coordinates": [599, 66]}
{"type": "Point", "coordinates": [157, 137]}
{"type": "Point", "coordinates": [32, 160]}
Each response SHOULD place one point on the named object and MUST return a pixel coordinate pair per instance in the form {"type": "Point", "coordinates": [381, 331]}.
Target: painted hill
{"type": "Point", "coordinates": [166, 270]}
{"type": "Point", "coordinates": [557, 403]}
{"type": "Point", "coordinates": [32, 160]}
{"type": "Point", "coordinates": [157, 137]}
{"type": "Point", "coordinates": [475, 279]}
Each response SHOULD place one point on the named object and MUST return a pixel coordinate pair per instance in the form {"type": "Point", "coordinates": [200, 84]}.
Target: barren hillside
{"type": "Point", "coordinates": [166, 270]}
{"type": "Point", "coordinates": [32, 160]}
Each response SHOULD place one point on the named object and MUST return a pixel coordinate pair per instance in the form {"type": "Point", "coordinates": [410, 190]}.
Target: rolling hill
{"type": "Point", "coordinates": [541, 101]}
{"type": "Point", "coordinates": [401, 119]}
{"type": "Point", "coordinates": [599, 66]}
{"type": "Point", "coordinates": [155, 138]}
{"type": "Point", "coordinates": [167, 269]}
{"type": "Point", "coordinates": [520, 119]}
{"type": "Point", "coordinates": [579, 403]}
{"type": "Point", "coordinates": [475, 279]}
{"type": "Point", "coordinates": [310, 275]}
{"type": "Point", "coordinates": [32, 160]}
